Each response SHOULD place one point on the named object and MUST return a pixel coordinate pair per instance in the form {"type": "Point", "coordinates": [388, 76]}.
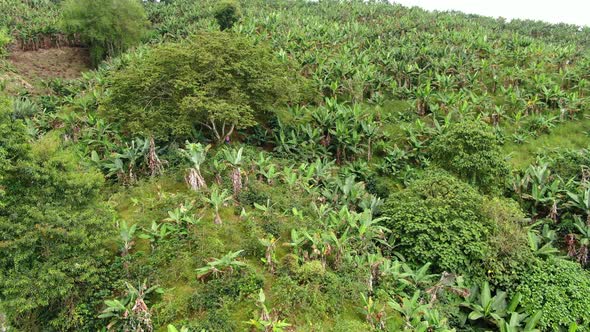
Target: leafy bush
{"type": "Point", "coordinates": [13, 139]}
{"type": "Point", "coordinates": [108, 27]}
{"type": "Point", "coordinates": [215, 81]}
{"type": "Point", "coordinates": [510, 253]}
{"type": "Point", "coordinates": [227, 288]}
{"type": "Point", "coordinates": [54, 237]}
{"type": "Point", "coordinates": [470, 151]}
{"type": "Point", "coordinates": [439, 219]}
{"type": "Point", "coordinates": [560, 289]}
{"type": "Point", "coordinates": [4, 40]}
{"type": "Point", "coordinates": [227, 14]}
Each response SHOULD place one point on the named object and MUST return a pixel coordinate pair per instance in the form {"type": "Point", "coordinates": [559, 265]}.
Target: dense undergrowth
{"type": "Point", "coordinates": [314, 166]}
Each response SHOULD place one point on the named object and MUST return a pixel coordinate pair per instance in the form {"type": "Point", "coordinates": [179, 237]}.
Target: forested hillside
{"type": "Point", "coordinates": [291, 166]}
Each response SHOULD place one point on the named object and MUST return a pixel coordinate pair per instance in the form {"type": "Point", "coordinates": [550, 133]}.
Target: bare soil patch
{"type": "Point", "coordinates": [43, 64]}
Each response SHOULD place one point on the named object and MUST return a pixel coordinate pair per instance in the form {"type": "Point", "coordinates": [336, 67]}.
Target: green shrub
{"type": "Point", "coordinates": [4, 41]}
{"type": "Point", "coordinates": [108, 27]}
{"type": "Point", "coordinates": [560, 289]}
{"type": "Point", "coordinates": [54, 232]}
{"type": "Point", "coordinates": [510, 254]}
{"type": "Point", "coordinates": [13, 139]}
{"type": "Point", "coordinates": [221, 290]}
{"type": "Point", "coordinates": [311, 271]}
{"type": "Point", "coordinates": [471, 152]}
{"type": "Point", "coordinates": [439, 219]}
{"type": "Point", "coordinates": [217, 82]}
{"type": "Point", "coordinates": [227, 14]}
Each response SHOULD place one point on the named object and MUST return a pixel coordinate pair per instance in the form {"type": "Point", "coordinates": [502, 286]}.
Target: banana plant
{"type": "Point", "coordinates": [130, 313]}
{"type": "Point", "coordinates": [541, 243]}
{"type": "Point", "coordinates": [420, 277]}
{"type": "Point", "coordinates": [268, 320]}
{"type": "Point", "coordinates": [127, 234]}
{"type": "Point", "coordinates": [290, 176]}
{"type": "Point", "coordinates": [368, 229]}
{"type": "Point", "coordinates": [172, 328]}
{"type": "Point", "coordinates": [374, 315]}
{"type": "Point", "coordinates": [270, 173]}
{"type": "Point", "coordinates": [269, 259]}
{"type": "Point", "coordinates": [217, 198]}
{"type": "Point", "coordinates": [182, 218]}
{"type": "Point", "coordinates": [196, 153]}
{"type": "Point", "coordinates": [157, 232]}
{"type": "Point", "coordinates": [581, 200]}
{"type": "Point", "coordinates": [296, 242]}
{"type": "Point", "coordinates": [234, 158]}
{"type": "Point", "coordinates": [415, 315]}
{"type": "Point", "coordinates": [583, 238]}
{"type": "Point", "coordinates": [484, 306]}
{"type": "Point", "coordinates": [224, 265]}
{"type": "Point", "coordinates": [506, 316]}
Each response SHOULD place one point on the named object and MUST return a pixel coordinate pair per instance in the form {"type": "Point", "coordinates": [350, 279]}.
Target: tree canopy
{"type": "Point", "coordinates": [108, 27]}
{"type": "Point", "coordinates": [215, 81]}
{"type": "Point", "coordinates": [470, 150]}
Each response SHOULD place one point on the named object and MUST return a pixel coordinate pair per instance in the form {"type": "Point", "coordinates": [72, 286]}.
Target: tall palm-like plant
{"type": "Point", "coordinates": [217, 199]}
{"type": "Point", "coordinates": [584, 240]}
{"type": "Point", "coordinates": [216, 266]}
{"type": "Point", "coordinates": [127, 234]}
{"type": "Point", "coordinates": [234, 158]}
{"type": "Point", "coordinates": [581, 200]}
{"type": "Point", "coordinates": [197, 154]}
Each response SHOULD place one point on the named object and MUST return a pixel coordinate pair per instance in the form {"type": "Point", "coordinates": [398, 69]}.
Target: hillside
{"type": "Point", "coordinates": [291, 166]}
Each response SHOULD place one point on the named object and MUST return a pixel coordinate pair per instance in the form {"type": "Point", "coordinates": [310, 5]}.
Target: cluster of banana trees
{"type": "Point", "coordinates": [35, 24]}
{"type": "Point", "coordinates": [355, 50]}
{"type": "Point", "coordinates": [336, 130]}
{"type": "Point", "coordinates": [439, 62]}
{"type": "Point", "coordinates": [566, 202]}
{"type": "Point", "coordinates": [128, 162]}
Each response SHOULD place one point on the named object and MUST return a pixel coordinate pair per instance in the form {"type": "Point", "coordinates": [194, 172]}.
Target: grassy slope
{"type": "Point", "coordinates": [568, 135]}
{"type": "Point", "coordinates": [151, 199]}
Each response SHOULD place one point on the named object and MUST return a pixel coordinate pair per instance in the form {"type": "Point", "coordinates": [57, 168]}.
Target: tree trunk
{"type": "Point", "coordinates": [236, 178]}
{"type": "Point", "coordinates": [154, 163]}
{"type": "Point", "coordinates": [195, 180]}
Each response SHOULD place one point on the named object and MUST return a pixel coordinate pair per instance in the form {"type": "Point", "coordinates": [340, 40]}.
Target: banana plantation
{"type": "Point", "coordinates": [292, 165]}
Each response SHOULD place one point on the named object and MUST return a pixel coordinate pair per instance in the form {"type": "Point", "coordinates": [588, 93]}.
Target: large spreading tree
{"type": "Point", "coordinates": [217, 82]}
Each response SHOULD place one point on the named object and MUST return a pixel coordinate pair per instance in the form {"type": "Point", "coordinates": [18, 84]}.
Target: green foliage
{"type": "Point", "coordinates": [498, 312]}
{"type": "Point", "coordinates": [343, 132]}
{"type": "Point", "coordinates": [439, 219]}
{"type": "Point", "coordinates": [5, 39]}
{"type": "Point", "coordinates": [215, 81]}
{"type": "Point", "coordinates": [470, 150]}
{"type": "Point", "coordinates": [388, 97]}
{"type": "Point", "coordinates": [559, 289]}
{"type": "Point", "coordinates": [53, 235]}
{"type": "Point", "coordinates": [108, 27]}
{"type": "Point", "coordinates": [268, 320]}
{"type": "Point", "coordinates": [510, 251]}
{"type": "Point", "coordinates": [567, 163]}
{"type": "Point", "coordinates": [228, 12]}
{"type": "Point", "coordinates": [13, 140]}
{"type": "Point", "coordinates": [226, 264]}
{"type": "Point", "coordinates": [418, 316]}
{"type": "Point", "coordinates": [172, 328]}
{"type": "Point", "coordinates": [131, 312]}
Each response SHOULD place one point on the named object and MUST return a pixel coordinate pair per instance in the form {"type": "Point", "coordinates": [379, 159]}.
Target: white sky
{"type": "Point", "coordinates": [566, 11]}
